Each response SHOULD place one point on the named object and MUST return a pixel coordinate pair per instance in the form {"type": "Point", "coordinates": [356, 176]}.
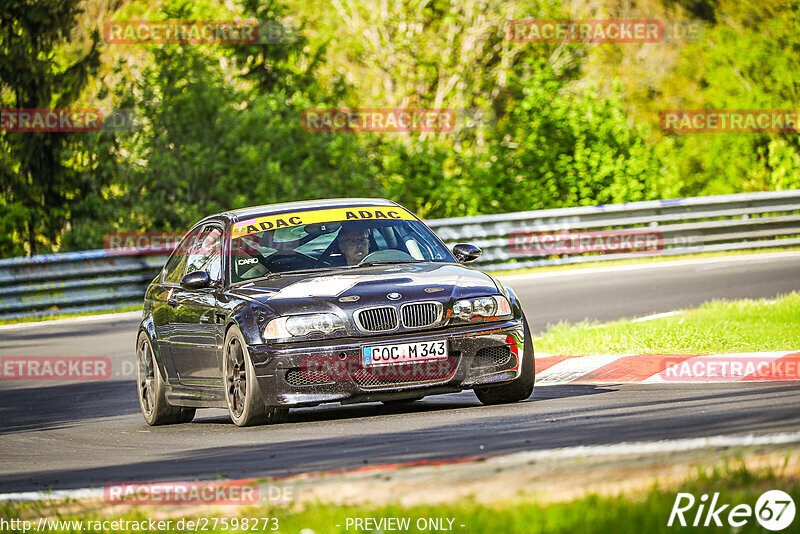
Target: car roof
{"type": "Point", "coordinates": [304, 205]}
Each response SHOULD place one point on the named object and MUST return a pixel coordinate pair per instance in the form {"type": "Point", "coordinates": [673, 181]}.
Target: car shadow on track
{"type": "Point", "coordinates": [484, 431]}
{"type": "Point", "coordinates": [68, 405]}
{"type": "Point", "coordinates": [431, 404]}
{"type": "Point", "coordinates": [65, 405]}
{"type": "Point", "coordinates": [634, 414]}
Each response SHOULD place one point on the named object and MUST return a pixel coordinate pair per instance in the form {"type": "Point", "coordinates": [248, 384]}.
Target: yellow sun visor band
{"type": "Point", "coordinates": [287, 220]}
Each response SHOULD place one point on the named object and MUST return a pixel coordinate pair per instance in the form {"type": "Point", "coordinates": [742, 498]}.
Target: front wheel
{"type": "Point", "coordinates": [152, 391]}
{"type": "Point", "coordinates": [522, 387]}
{"type": "Point", "coordinates": [246, 405]}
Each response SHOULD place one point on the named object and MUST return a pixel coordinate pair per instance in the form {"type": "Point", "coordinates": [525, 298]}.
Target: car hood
{"type": "Point", "coordinates": [356, 288]}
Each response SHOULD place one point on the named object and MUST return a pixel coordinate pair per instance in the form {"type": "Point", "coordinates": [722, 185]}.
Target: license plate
{"type": "Point", "coordinates": [404, 352]}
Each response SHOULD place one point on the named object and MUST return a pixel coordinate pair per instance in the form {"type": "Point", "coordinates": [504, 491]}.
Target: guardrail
{"type": "Point", "coordinates": [101, 279]}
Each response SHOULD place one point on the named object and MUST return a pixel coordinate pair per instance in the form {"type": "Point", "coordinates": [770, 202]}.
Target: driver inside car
{"type": "Point", "coordinates": [354, 244]}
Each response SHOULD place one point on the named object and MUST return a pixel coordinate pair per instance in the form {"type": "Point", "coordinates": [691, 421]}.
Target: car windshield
{"type": "Point", "coordinates": [364, 236]}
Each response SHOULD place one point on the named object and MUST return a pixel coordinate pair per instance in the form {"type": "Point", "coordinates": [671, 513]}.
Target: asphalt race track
{"type": "Point", "coordinates": [63, 435]}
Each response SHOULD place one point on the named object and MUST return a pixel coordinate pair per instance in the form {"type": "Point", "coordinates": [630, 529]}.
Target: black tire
{"type": "Point", "coordinates": [152, 392]}
{"type": "Point", "coordinates": [246, 405]}
{"type": "Point", "coordinates": [522, 387]}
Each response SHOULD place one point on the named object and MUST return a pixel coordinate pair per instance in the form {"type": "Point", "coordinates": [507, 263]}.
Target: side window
{"type": "Point", "coordinates": [206, 254]}
{"type": "Point", "coordinates": [176, 266]}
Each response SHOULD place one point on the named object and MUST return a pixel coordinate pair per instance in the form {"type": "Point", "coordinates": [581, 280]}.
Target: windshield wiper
{"type": "Point", "coordinates": [386, 262]}
{"type": "Point", "coordinates": [279, 274]}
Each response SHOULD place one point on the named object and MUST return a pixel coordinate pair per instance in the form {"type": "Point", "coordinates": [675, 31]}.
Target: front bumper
{"type": "Point", "coordinates": [307, 374]}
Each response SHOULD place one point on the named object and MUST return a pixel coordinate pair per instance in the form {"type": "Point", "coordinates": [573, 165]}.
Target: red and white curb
{"type": "Point", "coordinates": [668, 368]}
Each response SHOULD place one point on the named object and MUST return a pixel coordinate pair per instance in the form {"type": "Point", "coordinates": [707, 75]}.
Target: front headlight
{"type": "Point", "coordinates": [302, 325]}
{"type": "Point", "coordinates": [496, 307]}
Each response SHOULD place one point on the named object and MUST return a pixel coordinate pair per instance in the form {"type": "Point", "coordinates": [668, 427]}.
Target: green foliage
{"type": "Point", "coordinates": [36, 180]}
{"type": "Point", "coordinates": [210, 141]}
{"type": "Point", "coordinates": [429, 178]}
{"type": "Point", "coordinates": [220, 124]}
{"type": "Point", "coordinates": [560, 147]}
{"type": "Point", "coordinates": [749, 60]}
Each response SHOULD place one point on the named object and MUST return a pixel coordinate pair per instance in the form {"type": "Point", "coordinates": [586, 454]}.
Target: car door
{"type": "Point", "coordinates": [196, 325]}
{"type": "Point", "coordinates": [164, 303]}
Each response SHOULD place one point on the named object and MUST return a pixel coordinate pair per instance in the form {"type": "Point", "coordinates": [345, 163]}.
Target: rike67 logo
{"type": "Point", "coordinates": [774, 510]}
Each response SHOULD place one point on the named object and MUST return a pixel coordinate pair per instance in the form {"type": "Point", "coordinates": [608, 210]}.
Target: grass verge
{"type": "Point", "coordinates": [718, 326]}
{"type": "Point", "coordinates": [40, 318]}
{"type": "Point", "coordinates": [637, 512]}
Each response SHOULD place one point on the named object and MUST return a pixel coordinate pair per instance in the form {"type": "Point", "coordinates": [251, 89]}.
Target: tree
{"type": "Point", "coordinates": [219, 137]}
{"type": "Point", "coordinates": [560, 146]}
{"type": "Point", "coordinates": [36, 180]}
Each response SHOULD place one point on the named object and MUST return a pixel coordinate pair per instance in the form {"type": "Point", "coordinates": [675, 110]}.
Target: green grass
{"type": "Point", "coordinates": [633, 260]}
{"type": "Point", "coordinates": [646, 511]}
{"type": "Point", "coordinates": [717, 326]}
{"type": "Point", "coordinates": [51, 317]}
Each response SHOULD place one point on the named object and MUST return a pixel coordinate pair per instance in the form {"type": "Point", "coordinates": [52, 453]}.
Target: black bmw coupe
{"type": "Point", "coordinates": [348, 300]}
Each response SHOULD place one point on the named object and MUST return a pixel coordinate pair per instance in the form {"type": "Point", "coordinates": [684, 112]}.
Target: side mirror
{"type": "Point", "coordinates": [196, 280]}
{"type": "Point", "coordinates": [465, 253]}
